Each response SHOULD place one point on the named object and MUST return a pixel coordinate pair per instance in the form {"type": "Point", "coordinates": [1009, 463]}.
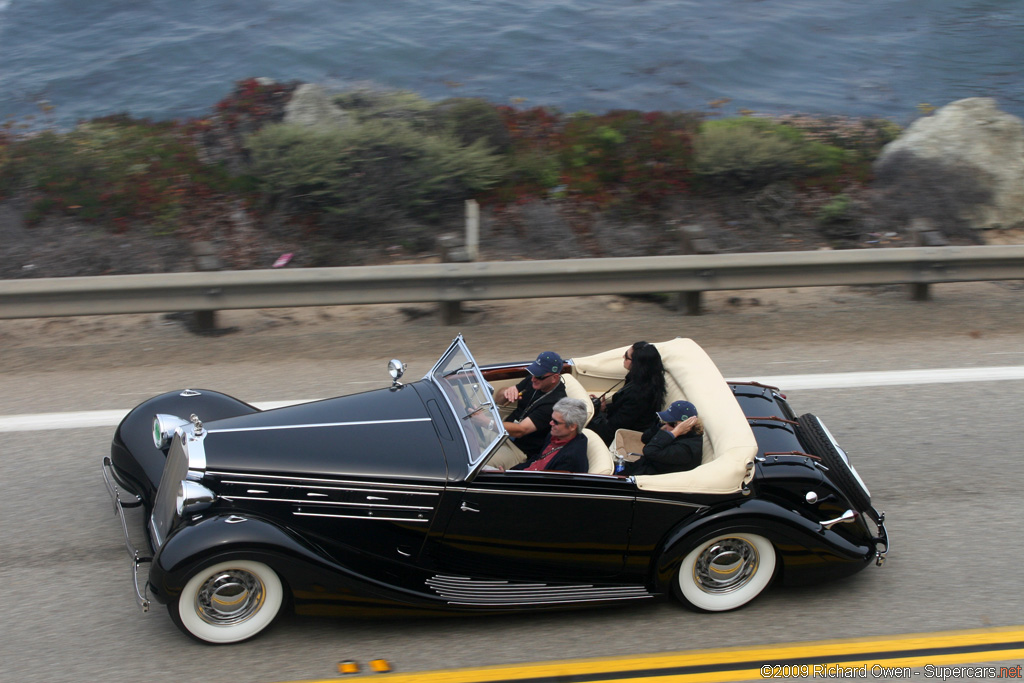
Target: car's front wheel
{"type": "Point", "coordinates": [228, 602]}
{"type": "Point", "coordinates": [726, 572]}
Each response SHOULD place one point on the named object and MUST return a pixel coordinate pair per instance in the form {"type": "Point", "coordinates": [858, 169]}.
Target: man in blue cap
{"type": "Point", "coordinates": [535, 398]}
{"type": "Point", "coordinates": [676, 444]}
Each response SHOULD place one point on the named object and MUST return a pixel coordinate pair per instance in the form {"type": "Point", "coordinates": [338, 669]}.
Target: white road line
{"type": "Point", "coordinates": [837, 380]}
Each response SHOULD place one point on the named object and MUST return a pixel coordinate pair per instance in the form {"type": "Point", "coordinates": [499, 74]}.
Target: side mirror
{"type": "Point", "coordinates": [396, 369]}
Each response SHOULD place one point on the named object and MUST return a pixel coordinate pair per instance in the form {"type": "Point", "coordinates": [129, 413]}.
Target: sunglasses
{"type": "Point", "coordinates": [544, 377]}
{"type": "Point", "coordinates": [556, 422]}
{"type": "Point", "coordinates": [627, 356]}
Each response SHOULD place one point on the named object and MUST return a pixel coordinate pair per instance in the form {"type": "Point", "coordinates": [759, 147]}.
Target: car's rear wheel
{"type": "Point", "coordinates": [817, 440]}
{"type": "Point", "coordinates": [726, 572]}
{"type": "Point", "coordinates": [228, 602]}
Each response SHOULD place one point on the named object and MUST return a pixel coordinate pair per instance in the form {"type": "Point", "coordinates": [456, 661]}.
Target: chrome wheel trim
{"type": "Point", "coordinates": [229, 597]}
{"type": "Point", "coordinates": [726, 565]}
{"type": "Point", "coordinates": [229, 602]}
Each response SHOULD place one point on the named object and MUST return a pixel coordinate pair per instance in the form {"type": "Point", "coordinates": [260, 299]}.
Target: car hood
{"type": "Point", "coordinates": [388, 432]}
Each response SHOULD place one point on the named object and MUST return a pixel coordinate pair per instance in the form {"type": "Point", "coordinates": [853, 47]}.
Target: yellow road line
{"type": "Point", "coordinates": [943, 648]}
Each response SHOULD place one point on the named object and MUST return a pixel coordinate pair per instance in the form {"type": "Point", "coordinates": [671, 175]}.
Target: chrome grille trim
{"type": "Point", "coordinates": [458, 590]}
{"type": "Point", "coordinates": [175, 470]}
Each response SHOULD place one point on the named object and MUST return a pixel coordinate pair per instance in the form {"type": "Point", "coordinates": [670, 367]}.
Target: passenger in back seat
{"type": "Point", "coordinates": [675, 446]}
{"type": "Point", "coordinates": [643, 394]}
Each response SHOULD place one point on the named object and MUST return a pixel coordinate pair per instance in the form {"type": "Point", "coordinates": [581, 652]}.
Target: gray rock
{"type": "Point", "coordinates": [966, 139]}
{"type": "Point", "coordinates": [311, 106]}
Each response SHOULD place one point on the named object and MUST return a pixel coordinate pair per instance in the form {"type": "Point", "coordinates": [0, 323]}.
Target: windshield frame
{"type": "Point", "coordinates": [475, 411]}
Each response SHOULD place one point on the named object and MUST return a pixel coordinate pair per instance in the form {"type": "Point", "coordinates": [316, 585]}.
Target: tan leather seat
{"type": "Point", "coordinates": [601, 460]}
{"type": "Point", "coordinates": [573, 389]}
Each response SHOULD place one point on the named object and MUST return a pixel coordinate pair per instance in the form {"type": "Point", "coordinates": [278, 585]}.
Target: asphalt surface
{"type": "Point", "coordinates": [941, 459]}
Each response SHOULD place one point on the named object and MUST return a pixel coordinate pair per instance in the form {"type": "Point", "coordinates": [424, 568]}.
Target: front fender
{"type": "Point", "coordinates": [138, 463]}
{"type": "Point", "coordinates": [225, 537]}
{"type": "Point", "coordinates": [807, 551]}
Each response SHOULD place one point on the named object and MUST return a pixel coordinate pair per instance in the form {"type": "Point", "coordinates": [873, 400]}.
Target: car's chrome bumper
{"type": "Point", "coordinates": [882, 539]}
{"type": "Point", "coordinates": [119, 505]}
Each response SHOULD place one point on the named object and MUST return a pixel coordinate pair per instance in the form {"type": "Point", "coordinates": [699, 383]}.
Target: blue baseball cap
{"type": "Point", "coordinates": [678, 411]}
{"type": "Point", "coordinates": [547, 362]}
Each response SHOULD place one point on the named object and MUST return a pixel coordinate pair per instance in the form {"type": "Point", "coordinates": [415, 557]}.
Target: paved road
{"type": "Point", "coordinates": [941, 459]}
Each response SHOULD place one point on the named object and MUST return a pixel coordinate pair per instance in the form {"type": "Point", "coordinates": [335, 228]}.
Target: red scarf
{"type": "Point", "coordinates": [548, 454]}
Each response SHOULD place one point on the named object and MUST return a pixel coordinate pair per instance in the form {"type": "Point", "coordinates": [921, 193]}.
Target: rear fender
{"type": "Point", "coordinates": [138, 463]}
{"type": "Point", "coordinates": [805, 549]}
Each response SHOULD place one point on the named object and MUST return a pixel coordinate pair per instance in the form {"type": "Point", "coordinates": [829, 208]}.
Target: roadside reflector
{"type": "Point", "coordinates": [348, 667]}
{"type": "Point", "coordinates": [381, 666]}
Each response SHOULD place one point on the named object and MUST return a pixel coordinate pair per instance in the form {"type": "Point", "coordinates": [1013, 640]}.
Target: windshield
{"type": "Point", "coordinates": [469, 396]}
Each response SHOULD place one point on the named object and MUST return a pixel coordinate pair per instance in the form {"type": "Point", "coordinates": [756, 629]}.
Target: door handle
{"type": "Point", "coordinates": [467, 508]}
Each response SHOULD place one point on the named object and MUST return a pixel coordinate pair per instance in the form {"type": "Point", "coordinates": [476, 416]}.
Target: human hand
{"type": "Point", "coordinates": [510, 394]}
{"type": "Point", "coordinates": [684, 426]}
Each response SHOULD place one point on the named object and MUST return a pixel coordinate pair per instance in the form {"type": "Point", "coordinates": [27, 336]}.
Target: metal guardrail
{"type": "Point", "coordinates": [451, 282]}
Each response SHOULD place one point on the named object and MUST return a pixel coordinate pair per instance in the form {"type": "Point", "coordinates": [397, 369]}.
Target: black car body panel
{"type": "Point", "coordinates": [382, 502]}
{"type": "Point", "coordinates": [359, 435]}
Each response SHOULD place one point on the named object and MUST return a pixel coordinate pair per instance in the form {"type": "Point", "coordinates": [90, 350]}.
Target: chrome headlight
{"type": "Point", "coordinates": [192, 497]}
{"type": "Point", "coordinates": [163, 429]}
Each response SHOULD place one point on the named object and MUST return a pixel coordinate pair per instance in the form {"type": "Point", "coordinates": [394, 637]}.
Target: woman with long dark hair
{"type": "Point", "coordinates": [641, 396]}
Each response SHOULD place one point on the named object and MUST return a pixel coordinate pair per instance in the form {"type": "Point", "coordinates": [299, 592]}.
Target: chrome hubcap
{"type": "Point", "coordinates": [725, 565]}
{"type": "Point", "coordinates": [229, 597]}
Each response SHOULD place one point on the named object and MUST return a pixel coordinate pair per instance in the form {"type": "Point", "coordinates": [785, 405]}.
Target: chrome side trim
{"type": "Point", "coordinates": [323, 488]}
{"type": "Point", "coordinates": [662, 501]}
{"type": "Point", "coordinates": [316, 425]}
{"type": "Point", "coordinates": [548, 494]}
{"type": "Point", "coordinates": [460, 590]}
{"type": "Point", "coordinates": [368, 518]}
{"type": "Point", "coordinates": [141, 597]}
{"type": "Point", "coordinates": [263, 477]}
{"type": "Point", "coordinates": [306, 501]}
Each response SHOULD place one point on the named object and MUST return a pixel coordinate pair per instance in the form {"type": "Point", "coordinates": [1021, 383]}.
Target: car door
{"type": "Point", "coordinates": [542, 526]}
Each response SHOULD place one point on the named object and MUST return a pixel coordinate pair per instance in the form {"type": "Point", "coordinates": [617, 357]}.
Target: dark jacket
{"type": "Point", "coordinates": [537, 406]}
{"type": "Point", "coordinates": [664, 453]}
{"type": "Point", "coordinates": [572, 457]}
{"type": "Point", "coordinates": [628, 409]}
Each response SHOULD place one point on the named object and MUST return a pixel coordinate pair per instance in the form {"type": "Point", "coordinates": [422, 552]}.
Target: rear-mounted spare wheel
{"type": "Point", "coordinates": [818, 441]}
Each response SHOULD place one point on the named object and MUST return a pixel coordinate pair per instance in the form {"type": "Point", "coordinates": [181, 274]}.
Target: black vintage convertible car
{"type": "Point", "coordinates": [387, 501]}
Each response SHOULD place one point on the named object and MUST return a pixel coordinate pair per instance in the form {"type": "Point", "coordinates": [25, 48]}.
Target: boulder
{"type": "Point", "coordinates": [311, 106]}
{"type": "Point", "coordinates": [968, 158]}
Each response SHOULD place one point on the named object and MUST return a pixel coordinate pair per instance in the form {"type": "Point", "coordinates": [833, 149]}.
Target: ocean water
{"type": "Point", "coordinates": [173, 58]}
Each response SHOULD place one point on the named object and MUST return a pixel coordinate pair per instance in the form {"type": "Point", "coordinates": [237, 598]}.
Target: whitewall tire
{"type": "Point", "coordinates": [228, 602]}
{"type": "Point", "coordinates": [726, 572]}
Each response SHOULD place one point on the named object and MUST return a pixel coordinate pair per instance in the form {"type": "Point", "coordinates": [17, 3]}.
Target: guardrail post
{"type": "Point", "coordinates": [206, 259]}
{"type": "Point", "coordinates": [925, 235]}
{"type": "Point", "coordinates": [452, 251]}
{"type": "Point", "coordinates": [695, 241]}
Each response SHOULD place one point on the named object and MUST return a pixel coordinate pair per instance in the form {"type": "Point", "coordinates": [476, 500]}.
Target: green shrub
{"type": "Point", "coordinates": [367, 104]}
{"type": "Point", "coordinates": [111, 171]}
{"type": "Point", "coordinates": [751, 152]}
{"type": "Point", "coordinates": [370, 172]}
{"type": "Point", "coordinates": [470, 119]}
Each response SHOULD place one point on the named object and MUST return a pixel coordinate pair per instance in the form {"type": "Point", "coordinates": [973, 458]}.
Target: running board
{"type": "Point", "coordinates": [462, 590]}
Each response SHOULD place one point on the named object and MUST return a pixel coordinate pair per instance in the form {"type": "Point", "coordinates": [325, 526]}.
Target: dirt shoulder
{"type": "Point", "coordinates": [985, 314]}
